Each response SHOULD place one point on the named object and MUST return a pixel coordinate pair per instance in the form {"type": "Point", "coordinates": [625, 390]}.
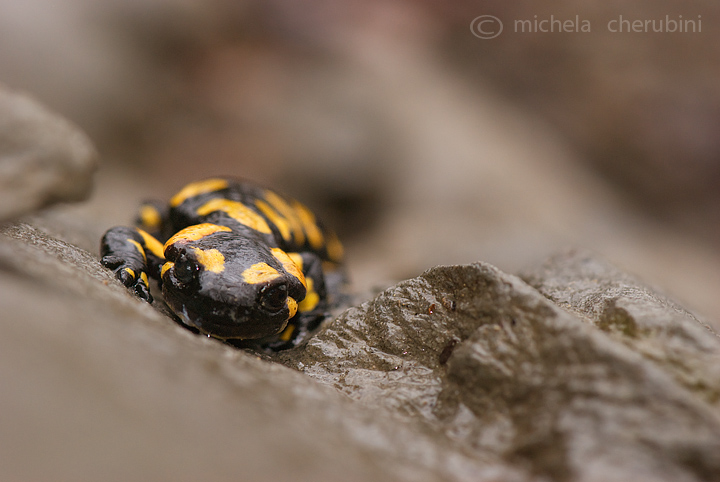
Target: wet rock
{"type": "Point", "coordinates": [43, 158]}
{"type": "Point", "coordinates": [105, 387]}
{"type": "Point", "coordinates": [495, 367]}
{"type": "Point", "coordinates": [646, 321]}
{"type": "Point", "coordinates": [464, 373]}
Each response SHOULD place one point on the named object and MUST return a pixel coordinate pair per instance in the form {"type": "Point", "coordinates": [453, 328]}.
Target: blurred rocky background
{"type": "Point", "coordinates": [420, 142]}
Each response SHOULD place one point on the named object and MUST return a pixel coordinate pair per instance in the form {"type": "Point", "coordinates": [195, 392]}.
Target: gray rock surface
{"type": "Point", "coordinates": [644, 320]}
{"type": "Point", "coordinates": [106, 388]}
{"type": "Point", "coordinates": [464, 373]}
{"type": "Point", "coordinates": [43, 157]}
{"type": "Point", "coordinates": [577, 373]}
{"type": "Point", "coordinates": [498, 369]}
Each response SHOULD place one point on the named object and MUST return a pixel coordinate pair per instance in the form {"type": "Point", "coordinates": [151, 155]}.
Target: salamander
{"type": "Point", "coordinates": [234, 261]}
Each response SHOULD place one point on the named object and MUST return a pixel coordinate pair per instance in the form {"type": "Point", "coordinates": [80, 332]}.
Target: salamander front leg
{"type": "Point", "coordinates": [131, 254]}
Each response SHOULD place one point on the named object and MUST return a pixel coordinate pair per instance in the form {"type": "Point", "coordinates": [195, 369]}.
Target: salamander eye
{"type": "Point", "coordinates": [186, 270]}
{"type": "Point", "coordinates": [273, 298]}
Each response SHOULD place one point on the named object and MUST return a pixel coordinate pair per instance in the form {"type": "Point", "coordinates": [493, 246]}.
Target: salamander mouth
{"type": "Point", "coordinates": [232, 324]}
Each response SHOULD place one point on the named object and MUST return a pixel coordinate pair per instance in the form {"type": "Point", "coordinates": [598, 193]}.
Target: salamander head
{"type": "Point", "coordinates": [228, 285]}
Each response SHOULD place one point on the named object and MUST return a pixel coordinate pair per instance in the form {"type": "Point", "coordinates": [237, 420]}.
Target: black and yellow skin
{"type": "Point", "coordinates": [234, 261]}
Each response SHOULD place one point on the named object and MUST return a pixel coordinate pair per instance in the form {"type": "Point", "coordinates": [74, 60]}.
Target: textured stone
{"type": "Point", "coordinates": [497, 368]}
{"type": "Point", "coordinates": [464, 373]}
{"type": "Point", "coordinates": [43, 158]}
{"type": "Point", "coordinates": [637, 316]}
{"type": "Point", "coordinates": [105, 387]}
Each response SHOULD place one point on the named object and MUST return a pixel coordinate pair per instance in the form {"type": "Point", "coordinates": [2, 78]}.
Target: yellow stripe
{"type": "Point", "coordinates": [287, 334]}
{"type": "Point", "coordinates": [211, 259]}
{"type": "Point", "coordinates": [330, 266]}
{"type": "Point", "coordinates": [334, 248]}
{"type": "Point", "coordinates": [288, 264]}
{"type": "Point", "coordinates": [238, 211]}
{"type": "Point", "coordinates": [280, 222]}
{"type": "Point", "coordinates": [130, 272]}
{"type": "Point", "coordinates": [259, 273]}
{"type": "Point", "coordinates": [193, 233]}
{"type": "Point", "coordinates": [139, 247]}
{"type": "Point", "coordinates": [297, 259]}
{"type": "Point", "coordinates": [143, 276]}
{"type": "Point", "coordinates": [152, 244]}
{"type": "Point", "coordinates": [292, 307]}
{"type": "Point", "coordinates": [196, 188]}
{"type": "Point", "coordinates": [288, 213]}
{"type": "Point", "coordinates": [307, 218]}
{"type": "Point", "coordinates": [311, 298]}
{"type": "Point", "coordinates": [150, 217]}
{"type": "Point", "coordinates": [166, 267]}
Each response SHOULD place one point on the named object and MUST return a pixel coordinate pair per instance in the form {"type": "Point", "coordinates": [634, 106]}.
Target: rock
{"type": "Point", "coordinates": [464, 373]}
{"type": "Point", "coordinates": [495, 367]}
{"type": "Point", "coordinates": [648, 322]}
{"type": "Point", "coordinates": [104, 387]}
{"type": "Point", "coordinates": [43, 158]}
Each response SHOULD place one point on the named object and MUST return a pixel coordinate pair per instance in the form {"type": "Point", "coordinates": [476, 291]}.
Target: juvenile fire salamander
{"type": "Point", "coordinates": [235, 261]}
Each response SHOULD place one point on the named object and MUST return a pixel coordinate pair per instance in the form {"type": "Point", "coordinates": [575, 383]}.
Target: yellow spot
{"type": "Point", "coordinates": [238, 211]}
{"type": "Point", "coordinates": [311, 298]}
{"type": "Point", "coordinates": [143, 277]}
{"type": "Point", "coordinates": [139, 247]}
{"type": "Point", "coordinates": [211, 259]}
{"type": "Point", "coordinates": [293, 307]}
{"type": "Point", "coordinates": [297, 259]}
{"type": "Point", "coordinates": [193, 233]}
{"type": "Point", "coordinates": [289, 264]}
{"type": "Point", "coordinates": [195, 188]}
{"type": "Point", "coordinates": [307, 218]}
{"type": "Point", "coordinates": [166, 267]}
{"type": "Point", "coordinates": [280, 222]}
{"type": "Point", "coordinates": [330, 266]}
{"type": "Point", "coordinates": [130, 272]}
{"type": "Point", "coordinates": [150, 217]}
{"type": "Point", "coordinates": [289, 214]}
{"type": "Point", "coordinates": [260, 273]}
{"type": "Point", "coordinates": [152, 244]}
{"type": "Point", "coordinates": [334, 248]}
{"type": "Point", "coordinates": [287, 333]}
